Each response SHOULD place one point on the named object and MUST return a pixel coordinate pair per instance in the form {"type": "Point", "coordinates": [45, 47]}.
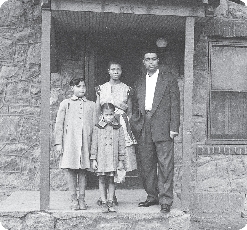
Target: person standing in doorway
{"type": "Point", "coordinates": [155, 123]}
{"type": "Point", "coordinates": [120, 95]}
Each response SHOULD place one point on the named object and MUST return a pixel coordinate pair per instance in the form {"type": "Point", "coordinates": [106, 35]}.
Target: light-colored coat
{"type": "Point", "coordinates": [108, 146]}
{"type": "Point", "coordinates": [73, 130]}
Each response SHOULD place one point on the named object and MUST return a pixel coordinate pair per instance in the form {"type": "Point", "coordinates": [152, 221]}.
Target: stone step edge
{"type": "Point", "coordinates": [175, 213]}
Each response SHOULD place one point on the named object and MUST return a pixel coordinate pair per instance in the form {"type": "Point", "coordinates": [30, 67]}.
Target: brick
{"type": "Point", "coordinates": [199, 150]}
{"type": "Point", "coordinates": [205, 150]}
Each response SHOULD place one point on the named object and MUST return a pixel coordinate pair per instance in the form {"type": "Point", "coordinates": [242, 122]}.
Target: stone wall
{"type": "Point", "coordinates": [20, 44]}
{"type": "Point", "coordinates": [216, 168]}
{"type": "Point", "coordinates": [176, 220]}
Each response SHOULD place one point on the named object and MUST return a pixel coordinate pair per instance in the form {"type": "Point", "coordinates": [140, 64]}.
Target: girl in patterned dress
{"type": "Point", "coordinates": [119, 94]}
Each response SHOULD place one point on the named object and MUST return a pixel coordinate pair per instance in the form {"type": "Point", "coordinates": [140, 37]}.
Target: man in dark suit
{"type": "Point", "coordinates": [155, 122]}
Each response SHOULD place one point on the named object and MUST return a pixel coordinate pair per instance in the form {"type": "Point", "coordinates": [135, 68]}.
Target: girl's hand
{"type": "Point", "coordinates": [95, 165]}
{"type": "Point", "coordinates": [120, 165]}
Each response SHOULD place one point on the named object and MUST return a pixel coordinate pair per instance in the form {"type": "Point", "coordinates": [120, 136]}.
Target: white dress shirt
{"type": "Point", "coordinates": [150, 89]}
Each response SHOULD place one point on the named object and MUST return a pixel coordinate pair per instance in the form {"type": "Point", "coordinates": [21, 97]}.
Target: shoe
{"type": "Point", "coordinates": [74, 202]}
{"type": "Point", "coordinates": [165, 208]}
{"type": "Point", "coordinates": [115, 200]}
{"type": "Point", "coordinates": [82, 204]}
{"type": "Point", "coordinates": [104, 207]}
{"type": "Point", "coordinates": [148, 203]}
{"type": "Point", "coordinates": [111, 206]}
{"type": "Point", "coordinates": [99, 202]}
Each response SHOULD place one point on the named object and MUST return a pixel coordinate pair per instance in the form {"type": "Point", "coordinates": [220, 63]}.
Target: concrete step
{"type": "Point", "coordinates": [21, 211]}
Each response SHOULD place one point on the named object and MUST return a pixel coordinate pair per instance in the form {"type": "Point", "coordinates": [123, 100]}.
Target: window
{"type": "Point", "coordinates": [227, 115]}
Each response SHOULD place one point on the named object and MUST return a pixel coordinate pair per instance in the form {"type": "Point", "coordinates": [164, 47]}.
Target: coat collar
{"type": "Point", "coordinates": [75, 98]}
{"type": "Point", "coordinates": [102, 124]}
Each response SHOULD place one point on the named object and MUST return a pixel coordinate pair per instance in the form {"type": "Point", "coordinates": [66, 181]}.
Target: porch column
{"type": "Point", "coordinates": [187, 122]}
{"type": "Point", "coordinates": [45, 110]}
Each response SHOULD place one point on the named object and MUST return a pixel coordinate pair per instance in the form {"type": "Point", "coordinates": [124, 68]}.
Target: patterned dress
{"type": "Point", "coordinates": [118, 95]}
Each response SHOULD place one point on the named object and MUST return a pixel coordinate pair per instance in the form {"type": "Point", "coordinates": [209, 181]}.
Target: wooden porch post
{"type": "Point", "coordinates": [45, 110]}
{"type": "Point", "coordinates": [187, 122]}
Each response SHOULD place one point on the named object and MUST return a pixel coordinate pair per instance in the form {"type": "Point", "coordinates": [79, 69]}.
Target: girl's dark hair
{"type": "Point", "coordinates": [114, 63]}
{"type": "Point", "coordinates": [107, 106]}
{"type": "Point", "coordinates": [76, 81]}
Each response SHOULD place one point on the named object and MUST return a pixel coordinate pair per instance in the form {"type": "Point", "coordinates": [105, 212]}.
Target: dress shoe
{"type": "Point", "coordinates": [104, 207]}
{"type": "Point", "coordinates": [148, 203]}
{"type": "Point", "coordinates": [111, 206]}
{"type": "Point", "coordinates": [115, 201]}
{"type": "Point", "coordinates": [165, 208]}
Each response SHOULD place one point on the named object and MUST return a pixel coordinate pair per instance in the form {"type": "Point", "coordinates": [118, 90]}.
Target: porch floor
{"type": "Point", "coordinates": [21, 211]}
{"type": "Point", "coordinates": [26, 201]}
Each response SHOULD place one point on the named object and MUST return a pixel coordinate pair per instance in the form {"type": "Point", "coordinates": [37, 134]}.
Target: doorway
{"type": "Point", "coordinates": [127, 53]}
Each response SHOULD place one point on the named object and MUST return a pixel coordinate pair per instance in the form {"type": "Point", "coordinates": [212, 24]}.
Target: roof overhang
{"type": "Point", "coordinates": [131, 7]}
{"type": "Point", "coordinates": [130, 17]}
{"type": "Point", "coordinates": [184, 8]}
{"type": "Point", "coordinates": [98, 23]}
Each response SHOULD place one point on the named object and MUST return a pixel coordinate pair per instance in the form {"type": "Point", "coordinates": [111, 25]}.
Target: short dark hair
{"type": "Point", "coordinates": [152, 51]}
{"type": "Point", "coordinates": [107, 106]}
{"type": "Point", "coordinates": [76, 81]}
{"type": "Point", "coordinates": [113, 63]}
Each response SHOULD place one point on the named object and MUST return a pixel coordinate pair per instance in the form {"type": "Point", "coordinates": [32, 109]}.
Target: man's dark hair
{"type": "Point", "coordinates": [152, 51]}
{"type": "Point", "coordinates": [76, 81]}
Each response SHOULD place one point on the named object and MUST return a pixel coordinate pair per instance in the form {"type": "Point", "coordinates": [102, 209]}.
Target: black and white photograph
{"type": "Point", "coordinates": [123, 114]}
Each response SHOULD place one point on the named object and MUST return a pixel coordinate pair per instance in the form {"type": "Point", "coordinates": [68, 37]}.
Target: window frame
{"type": "Point", "coordinates": [211, 44]}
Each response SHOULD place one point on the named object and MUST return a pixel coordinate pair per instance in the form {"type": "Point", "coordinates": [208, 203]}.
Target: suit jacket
{"type": "Point", "coordinates": [165, 113]}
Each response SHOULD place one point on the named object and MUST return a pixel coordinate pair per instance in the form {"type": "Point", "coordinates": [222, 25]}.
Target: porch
{"type": "Point", "coordinates": [22, 209]}
{"type": "Point", "coordinates": [91, 34]}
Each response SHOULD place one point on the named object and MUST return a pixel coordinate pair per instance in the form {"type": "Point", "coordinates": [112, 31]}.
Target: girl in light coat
{"type": "Point", "coordinates": [73, 131]}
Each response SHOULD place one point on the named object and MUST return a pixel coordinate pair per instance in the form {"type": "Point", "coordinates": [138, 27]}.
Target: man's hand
{"type": "Point", "coordinates": [95, 165]}
{"type": "Point", "coordinates": [120, 165]}
{"type": "Point", "coordinates": [173, 134]}
{"type": "Point", "coordinates": [58, 151]}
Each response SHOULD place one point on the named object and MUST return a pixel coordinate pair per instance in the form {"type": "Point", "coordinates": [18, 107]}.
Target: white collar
{"type": "Point", "coordinates": [155, 74]}
{"type": "Point", "coordinates": [75, 98]}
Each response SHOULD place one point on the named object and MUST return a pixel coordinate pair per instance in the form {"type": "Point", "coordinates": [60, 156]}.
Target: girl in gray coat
{"type": "Point", "coordinates": [73, 131]}
{"type": "Point", "coordinates": [107, 153]}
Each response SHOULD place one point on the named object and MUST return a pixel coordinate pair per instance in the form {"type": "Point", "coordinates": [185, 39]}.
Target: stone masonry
{"type": "Point", "coordinates": [69, 220]}
{"type": "Point", "coordinates": [219, 171]}
{"type": "Point", "coordinates": [20, 36]}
